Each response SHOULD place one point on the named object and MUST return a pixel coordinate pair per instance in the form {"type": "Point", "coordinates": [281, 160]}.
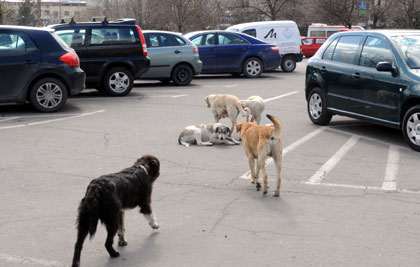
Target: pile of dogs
{"type": "Point", "coordinates": [108, 196]}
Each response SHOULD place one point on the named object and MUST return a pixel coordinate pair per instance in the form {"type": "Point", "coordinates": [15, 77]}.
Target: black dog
{"type": "Point", "coordinates": [108, 195]}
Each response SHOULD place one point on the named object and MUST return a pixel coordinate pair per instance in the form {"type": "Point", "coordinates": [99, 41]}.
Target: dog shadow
{"type": "Point", "coordinates": [149, 251]}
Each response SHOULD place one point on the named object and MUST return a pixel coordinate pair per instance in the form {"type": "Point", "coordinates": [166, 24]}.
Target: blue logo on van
{"type": "Point", "coordinates": [288, 33]}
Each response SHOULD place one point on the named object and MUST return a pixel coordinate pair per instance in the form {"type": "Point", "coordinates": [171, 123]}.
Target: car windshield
{"type": "Point", "coordinates": [410, 46]}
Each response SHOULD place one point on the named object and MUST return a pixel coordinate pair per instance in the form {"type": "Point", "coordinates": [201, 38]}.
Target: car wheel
{"type": "Point", "coordinates": [288, 64]}
{"type": "Point", "coordinates": [182, 75]}
{"type": "Point", "coordinates": [118, 82]}
{"type": "Point", "coordinates": [317, 107]}
{"type": "Point", "coordinates": [411, 127]}
{"type": "Point", "coordinates": [48, 95]}
{"type": "Point", "coordinates": [252, 68]}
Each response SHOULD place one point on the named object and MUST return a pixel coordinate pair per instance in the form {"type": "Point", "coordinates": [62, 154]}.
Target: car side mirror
{"type": "Point", "coordinates": [386, 66]}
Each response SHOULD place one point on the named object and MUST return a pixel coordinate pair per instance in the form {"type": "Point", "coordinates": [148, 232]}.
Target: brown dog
{"type": "Point", "coordinates": [259, 143]}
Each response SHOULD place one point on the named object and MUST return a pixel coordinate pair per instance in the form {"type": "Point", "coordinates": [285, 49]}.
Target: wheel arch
{"type": "Point", "coordinates": [112, 65]}
{"type": "Point", "coordinates": [409, 103]}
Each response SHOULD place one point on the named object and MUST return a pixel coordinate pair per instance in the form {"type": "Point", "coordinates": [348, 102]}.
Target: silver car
{"type": "Point", "coordinates": [172, 57]}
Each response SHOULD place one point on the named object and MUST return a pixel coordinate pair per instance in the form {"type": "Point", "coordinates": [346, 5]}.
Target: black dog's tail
{"type": "Point", "coordinates": [89, 211]}
{"type": "Point", "coordinates": [87, 220]}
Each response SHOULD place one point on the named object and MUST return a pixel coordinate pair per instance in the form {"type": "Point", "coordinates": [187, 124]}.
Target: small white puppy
{"type": "Point", "coordinates": [206, 135]}
{"type": "Point", "coordinates": [256, 105]}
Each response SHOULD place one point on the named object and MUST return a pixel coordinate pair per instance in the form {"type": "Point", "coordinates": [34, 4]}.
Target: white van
{"type": "Point", "coordinates": [284, 33]}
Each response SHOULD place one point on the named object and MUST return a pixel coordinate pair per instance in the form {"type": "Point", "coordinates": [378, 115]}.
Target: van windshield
{"type": "Point", "coordinates": [410, 47]}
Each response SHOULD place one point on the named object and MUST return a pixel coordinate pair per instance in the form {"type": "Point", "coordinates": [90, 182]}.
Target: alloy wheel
{"type": "Point", "coordinates": [49, 95]}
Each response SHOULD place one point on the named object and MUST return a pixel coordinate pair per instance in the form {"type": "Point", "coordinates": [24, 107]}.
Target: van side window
{"type": "Point", "coordinates": [251, 32]}
{"type": "Point", "coordinates": [374, 51]}
{"type": "Point", "coordinates": [330, 50]}
{"type": "Point", "coordinates": [346, 49]}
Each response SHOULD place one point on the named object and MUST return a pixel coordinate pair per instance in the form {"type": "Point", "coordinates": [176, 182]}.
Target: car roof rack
{"type": "Point", "coordinates": [126, 21]}
{"type": "Point", "coordinates": [104, 19]}
{"type": "Point", "coordinates": [71, 22]}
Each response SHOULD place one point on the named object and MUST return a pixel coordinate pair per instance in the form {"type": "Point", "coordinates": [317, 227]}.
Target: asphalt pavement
{"type": "Point", "coordinates": [350, 193]}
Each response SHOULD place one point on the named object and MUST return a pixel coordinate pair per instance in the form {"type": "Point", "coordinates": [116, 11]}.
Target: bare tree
{"type": "Point", "coordinates": [271, 9]}
{"type": "Point", "coordinates": [340, 11]}
{"type": "Point", "coordinates": [379, 10]}
{"type": "Point", "coordinates": [408, 15]}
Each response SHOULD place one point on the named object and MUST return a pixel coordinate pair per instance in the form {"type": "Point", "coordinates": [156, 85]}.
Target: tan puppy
{"type": "Point", "coordinates": [226, 106]}
{"type": "Point", "coordinates": [259, 143]}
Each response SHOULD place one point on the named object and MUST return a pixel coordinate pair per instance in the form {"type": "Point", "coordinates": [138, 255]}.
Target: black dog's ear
{"type": "Point", "coordinates": [228, 130]}
{"type": "Point", "coordinates": [217, 129]}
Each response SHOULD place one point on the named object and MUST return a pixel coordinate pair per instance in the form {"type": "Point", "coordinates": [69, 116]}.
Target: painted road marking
{"type": "Point", "coordinates": [390, 183]}
{"type": "Point", "coordinates": [332, 162]}
{"type": "Point", "coordinates": [28, 260]}
{"type": "Point", "coordinates": [280, 96]}
{"type": "Point", "coordinates": [176, 96]}
{"type": "Point", "coordinates": [50, 121]}
{"type": "Point", "coordinates": [289, 148]}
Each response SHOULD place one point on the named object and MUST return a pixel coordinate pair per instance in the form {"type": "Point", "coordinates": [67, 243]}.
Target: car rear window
{"type": "Point", "coordinates": [307, 41]}
{"type": "Point", "coordinates": [112, 36]}
{"type": "Point", "coordinates": [346, 49]}
{"type": "Point", "coordinates": [60, 41]}
{"type": "Point", "coordinates": [73, 37]}
{"type": "Point", "coordinates": [251, 32]}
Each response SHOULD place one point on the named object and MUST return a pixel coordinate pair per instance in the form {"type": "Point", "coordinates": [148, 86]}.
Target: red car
{"type": "Point", "coordinates": [310, 45]}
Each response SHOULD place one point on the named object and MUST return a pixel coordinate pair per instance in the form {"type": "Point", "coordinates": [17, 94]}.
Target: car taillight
{"type": "Point", "coordinates": [143, 42]}
{"type": "Point", "coordinates": [274, 48]}
{"type": "Point", "coordinates": [195, 50]}
{"type": "Point", "coordinates": [71, 59]}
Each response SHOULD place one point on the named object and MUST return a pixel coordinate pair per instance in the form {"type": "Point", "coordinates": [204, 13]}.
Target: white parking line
{"type": "Point", "coordinates": [332, 162]}
{"type": "Point", "coordinates": [49, 121]}
{"type": "Point", "coordinates": [391, 171]}
{"type": "Point", "coordinates": [289, 148]}
{"type": "Point", "coordinates": [280, 96]}
{"type": "Point", "coordinates": [176, 96]}
{"type": "Point", "coordinates": [28, 260]}
{"type": "Point", "coordinates": [9, 119]}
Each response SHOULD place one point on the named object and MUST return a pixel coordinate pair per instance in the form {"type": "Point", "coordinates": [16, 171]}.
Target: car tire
{"type": "Point", "coordinates": [48, 95]}
{"type": "Point", "coordinates": [288, 63]}
{"type": "Point", "coordinates": [252, 68]}
{"type": "Point", "coordinates": [182, 75]}
{"type": "Point", "coordinates": [317, 107]}
{"type": "Point", "coordinates": [411, 127]}
{"type": "Point", "coordinates": [118, 82]}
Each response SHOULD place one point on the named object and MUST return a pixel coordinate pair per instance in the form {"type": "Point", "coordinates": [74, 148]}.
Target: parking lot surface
{"type": "Point", "coordinates": [350, 192]}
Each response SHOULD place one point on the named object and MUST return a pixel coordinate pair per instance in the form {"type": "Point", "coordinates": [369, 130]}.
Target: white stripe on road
{"type": "Point", "coordinates": [49, 121]}
{"type": "Point", "coordinates": [280, 96]}
{"type": "Point", "coordinates": [176, 96]}
{"type": "Point", "coordinates": [9, 119]}
{"type": "Point", "coordinates": [332, 162]}
{"type": "Point", "coordinates": [28, 260]}
{"type": "Point", "coordinates": [391, 171]}
{"type": "Point", "coordinates": [289, 148]}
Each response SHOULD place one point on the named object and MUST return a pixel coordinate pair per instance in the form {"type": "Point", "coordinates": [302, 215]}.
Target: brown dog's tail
{"type": "Point", "coordinates": [277, 126]}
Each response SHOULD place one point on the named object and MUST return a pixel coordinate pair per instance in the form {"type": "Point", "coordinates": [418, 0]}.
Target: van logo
{"type": "Point", "coordinates": [288, 33]}
{"type": "Point", "coordinates": [271, 34]}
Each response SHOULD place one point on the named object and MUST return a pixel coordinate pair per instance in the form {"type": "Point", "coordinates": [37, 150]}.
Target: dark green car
{"type": "Point", "coordinates": [368, 75]}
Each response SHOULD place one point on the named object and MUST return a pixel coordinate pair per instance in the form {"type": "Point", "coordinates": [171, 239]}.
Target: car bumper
{"type": "Point", "coordinates": [141, 67]}
{"type": "Point", "coordinates": [76, 81]}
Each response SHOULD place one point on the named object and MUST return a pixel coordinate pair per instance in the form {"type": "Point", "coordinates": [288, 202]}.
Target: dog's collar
{"type": "Point", "coordinates": [143, 168]}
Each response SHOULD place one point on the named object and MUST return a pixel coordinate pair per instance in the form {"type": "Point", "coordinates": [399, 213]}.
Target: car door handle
{"type": "Point", "coordinates": [211, 49]}
{"type": "Point", "coordinates": [30, 62]}
{"type": "Point", "coordinates": [323, 69]}
{"type": "Point", "coordinates": [177, 52]}
{"type": "Point", "coordinates": [356, 75]}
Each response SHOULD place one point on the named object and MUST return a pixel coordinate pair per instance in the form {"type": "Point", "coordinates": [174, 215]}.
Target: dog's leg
{"type": "Point", "coordinates": [121, 231]}
{"type": "Point", "coordinates": [258, 119]}
{"type": "Point", "coordinates": [233, 125]}
{"type": "Point", "coordinates": [278, 162]}
{"type": "Point", "coordinates": [254, 177]}
{"type": "Point", "coordinates": [112, 228]}
{"type": "Point", "coordinates": [231, 139]}
{"type": "Point", "coordinates": [198, 139]}
{"type": "Point", "coordinates": [261, 166]}
{"type": "Point", "coordinates": [81, 236]}
{"type": "Point", "coordinates": [146, 209]}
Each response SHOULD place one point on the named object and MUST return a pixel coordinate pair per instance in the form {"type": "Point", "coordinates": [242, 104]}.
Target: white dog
{"type": "Point", "coordinates": [206, 135]}
{"type": "Point", "coordinates": [223, 106]}
{"type": "Point", "coordinates": [256, 105]}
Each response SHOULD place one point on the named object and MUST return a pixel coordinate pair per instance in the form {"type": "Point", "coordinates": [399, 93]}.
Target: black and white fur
{"type": "Point", "coordinates": [106, 198]}
{"type": "Point", "coordinates": [206, 135]}
{"type": "Point", "coordinates": [256, 106]}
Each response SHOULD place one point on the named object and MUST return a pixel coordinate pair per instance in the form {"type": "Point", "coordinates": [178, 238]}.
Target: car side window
{"type": "Point", "coordinates": [251, 32]}
{"type": "Point", "coordinates": [374, 51]}
{"type": "Point", "coordinates": [73, 37]}
{"type": "Point", "coordinates": [307, 41]}
{"type": "Point", "coordinates": [15, 43]}
{"type": "Point", "coordinates": [166, 40]}
{"type": "Point", "coordinates": [112, 36]}
{"type": "Point", "coordinates": [210, 39]}
{"type": "Point", "coordinates": [180, 41]}
{"type": "Point", "coordinates": [319, 41]}
{"type": "Point", "coordinates": [346, 49]}
{"type": "Point", "coordinates": [197, 40]}
{"type": "Point", "coordinates": [231, 39]}
{"type": "Point", "coordinates": [330, 50]}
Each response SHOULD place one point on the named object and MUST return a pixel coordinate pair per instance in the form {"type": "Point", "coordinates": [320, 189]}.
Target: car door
{"type": "Point", "coordinates": [376, 93]}
{"type": "Point", "coordinates": [19, 60]}
{"type": "Point", "coordinates": [336, 70]}
{"type": "Point", "coordinates": [75, 37]}
{"type": "Point", "coordinates": [230, 52]}
{"type": "Point", "coordinates": [207, 50]}
{"type": "Point", "coordinates": [306, 46]}
{"type": "Point", "coordinates": [163, 53]}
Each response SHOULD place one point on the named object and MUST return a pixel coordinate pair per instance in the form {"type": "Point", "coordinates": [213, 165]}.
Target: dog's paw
{"type": "Point", "coordinates": [122, 243]}
{"type": "Point", "coordinates": [114, 254]}
{"type": "Point", "coordinates": [276, 194]}
{"type": "Point", "coordinates": [258, 186]}
{"type": "Point", "coordinates": [265, 192]}
{"type": "Point", "coordinates": [155, 226]}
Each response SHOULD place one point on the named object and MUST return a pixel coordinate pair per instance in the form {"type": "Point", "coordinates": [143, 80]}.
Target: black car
{"type": "Point", "coordinates": [112, 54]}
{"type": "Point", "coordinates": [37, 66]}
{"type": "Point", "coordinates": [368, 75]}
